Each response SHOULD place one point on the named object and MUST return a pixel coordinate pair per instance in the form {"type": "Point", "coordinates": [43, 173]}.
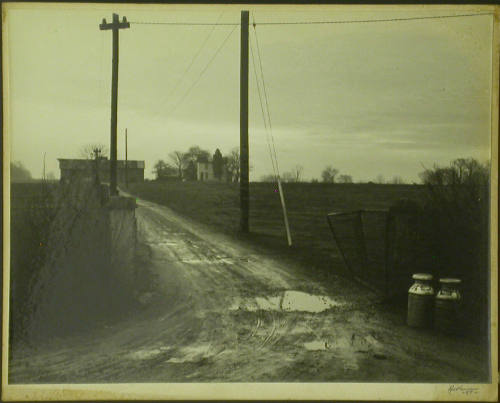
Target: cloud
{"type": "Point", "coordinates": [367, 97]}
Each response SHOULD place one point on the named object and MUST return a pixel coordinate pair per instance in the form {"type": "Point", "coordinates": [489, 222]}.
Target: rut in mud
{"type": "Point", "coordinates": [225, 312]}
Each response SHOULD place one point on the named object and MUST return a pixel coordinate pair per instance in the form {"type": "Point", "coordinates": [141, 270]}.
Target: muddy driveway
{"type": "Point", "coordinates": [226, 312]}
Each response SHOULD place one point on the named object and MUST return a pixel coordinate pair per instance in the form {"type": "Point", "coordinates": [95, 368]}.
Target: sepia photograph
{"type": "Point", "coordinates": [250, 202]}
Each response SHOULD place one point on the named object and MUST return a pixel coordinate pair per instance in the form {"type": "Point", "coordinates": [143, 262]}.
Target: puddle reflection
{"type": "Point", "coordinates": [289, 301]}
{"type": "Point", "coordinates": [316, 345]}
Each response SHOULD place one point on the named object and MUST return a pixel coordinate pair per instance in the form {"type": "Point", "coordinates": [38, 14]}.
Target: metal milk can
{"type": "Point", "coordinates": [447, 306]}
{"type": "Point", "coordinates": [420, 301]}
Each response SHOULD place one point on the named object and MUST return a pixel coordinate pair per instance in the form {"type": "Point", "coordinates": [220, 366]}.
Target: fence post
{"type": "Point", "coordinates": [338, 244]}
{"type": "Point", "coordinates": [389, 227]}
{"type": "Point", "coordinates": [359, 233]}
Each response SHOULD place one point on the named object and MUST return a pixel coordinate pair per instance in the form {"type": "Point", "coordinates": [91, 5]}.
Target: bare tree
{"type": "Point", "coordinates": [163, 170]}
{"type": "Point", "coordinates": [18, 173]}
{"type": "Point", "coordinates": [345, 178]}
{"type": "Point", "coordinates": [178, 158]}
{"type": "Point", "coordinates": [294, 175]}
{"type": "Point", "coordinates": [380, 179]}
{"type": "Point", "coordinates": [329, 173]}
{"type": "Point", "coordinates": [233, 164]}
{"type": "Point", "coordinates": [397, 180]}
{"type": "Point", "coordinates": [460, 172]}
{"type": "Point", "coordinates": [94, 151]}
{"type": "Point", "coordinates": [287, 177]}
{"type": "Point", "coordinates": [297, 173]}
{"type": "Point", "coordinates": [268, 178]}
{"type": "Point", "coordinates": [468, 168]}
{"type": "Point", "coordinates": [196, 154]}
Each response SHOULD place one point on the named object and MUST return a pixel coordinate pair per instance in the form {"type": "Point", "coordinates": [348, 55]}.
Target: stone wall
{"type": "Point", "coordinates": [88, 276]}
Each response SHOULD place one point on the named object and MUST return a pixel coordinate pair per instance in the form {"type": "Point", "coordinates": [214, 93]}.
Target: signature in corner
{"type": "Point", "coordinates": [465, 390]}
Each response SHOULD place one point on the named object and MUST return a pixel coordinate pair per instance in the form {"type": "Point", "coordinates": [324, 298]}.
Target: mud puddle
{"type": "Point", "coordinates": [147, 354]}
{"type": "Point", "coordinates": [316, 345]}
{"type": "Point", "coordinates": [192, 354]}
{"type": "Point", "coordinates": [289, 301]}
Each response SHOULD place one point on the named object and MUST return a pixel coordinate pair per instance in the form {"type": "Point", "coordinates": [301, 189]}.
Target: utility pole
{"type": "Point", "coordinates": [244, 158]}
{"type": "Point", "coordinates": [43, 177]}
{"type": "Point", "coordinates": [126, 159]}
{"type": "Point", "coordinates": [115, 26]}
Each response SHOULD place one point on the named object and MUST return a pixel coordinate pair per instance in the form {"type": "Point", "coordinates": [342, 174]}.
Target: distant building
{"type": "Point", "coordinates": [85, 169]}
{"type": "Point", "coordinates": [205, 172]}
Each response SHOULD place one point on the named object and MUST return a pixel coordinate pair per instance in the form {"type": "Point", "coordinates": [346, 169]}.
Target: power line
{"type": "Point", "coordinates": [266, 98]}
{"type": "Point", "coordinates": [203, 71]}
{"type": "Point", "coordinates": [373, 20]}
{"type": "Point", "coordinates": [195, 56]}
{"type": "Point", "coordinates": [280, 187]}
{"type": "Point", "coordinates": [398, 19]}
{"type": "Point", "coordinates": [262, 110]}
{"type": "Point", "coordinates": [262, 75]}
{"type": "Point", "coordinates": [182, 23]}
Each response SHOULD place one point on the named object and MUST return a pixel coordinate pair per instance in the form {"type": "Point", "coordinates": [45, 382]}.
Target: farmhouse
{"type": "Point", "coordinates": [85, 169]}
{"type": "Point", "coordinates": [205, 171]}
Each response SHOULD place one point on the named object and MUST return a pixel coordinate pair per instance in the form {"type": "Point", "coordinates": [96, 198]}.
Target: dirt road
{"type": "Point", "coordinates": [226, 312]}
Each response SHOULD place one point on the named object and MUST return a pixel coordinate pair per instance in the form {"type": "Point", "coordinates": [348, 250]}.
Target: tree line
{"type": "Point", "coordinates": [328, 175]}
{"type": "Point", "coordinates": [181, 165]}
{"type": "Point", "coordinates": [19, 173]}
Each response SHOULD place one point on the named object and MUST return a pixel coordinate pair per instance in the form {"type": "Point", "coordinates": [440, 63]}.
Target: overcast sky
{"type": "Point", "coordinates": [367, 98]}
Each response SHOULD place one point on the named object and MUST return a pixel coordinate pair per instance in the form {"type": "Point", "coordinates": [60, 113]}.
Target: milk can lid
{"type": "Point", "coordinates": [450, 281]}
{"type": "Point", "coordinates": [422, 276]}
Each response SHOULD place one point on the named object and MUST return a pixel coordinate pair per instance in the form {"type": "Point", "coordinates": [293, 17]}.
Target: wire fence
{"type": "Point", "coordinates": [377, 247]}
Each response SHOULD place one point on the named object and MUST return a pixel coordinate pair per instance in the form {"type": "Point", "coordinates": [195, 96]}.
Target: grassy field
{"type": "Point", "coordinates": [217, 204]}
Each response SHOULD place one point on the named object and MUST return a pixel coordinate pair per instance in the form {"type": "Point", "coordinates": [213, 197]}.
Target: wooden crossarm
{"type": "Point", "coordinates": [116, 24]}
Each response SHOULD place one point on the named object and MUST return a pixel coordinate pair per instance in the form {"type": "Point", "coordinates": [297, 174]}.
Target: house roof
{"type": "Point", "coordinates": [202, 158]}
